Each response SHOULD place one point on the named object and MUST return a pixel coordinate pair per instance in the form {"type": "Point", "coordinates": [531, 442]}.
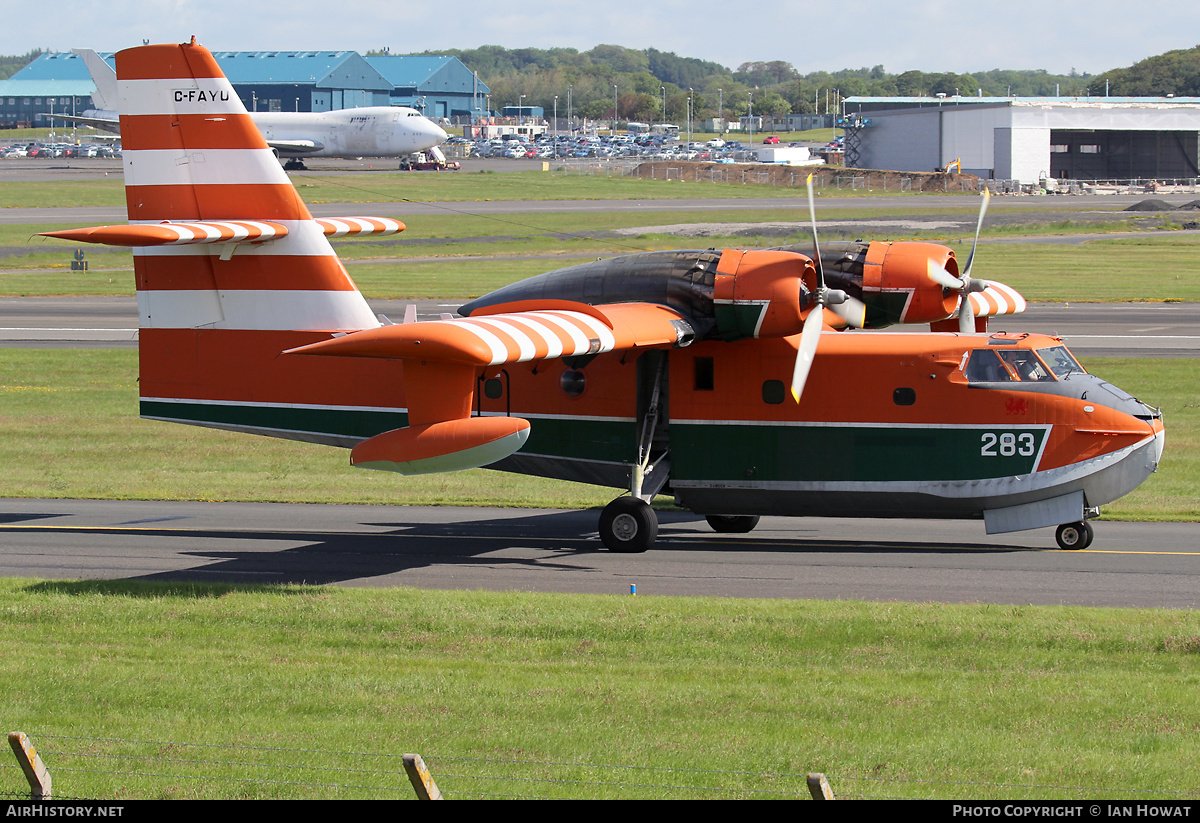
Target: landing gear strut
{"type": "Point", "coordinates": [628, 525]}
{"type": "Point", "coordinates": [1073, 536]}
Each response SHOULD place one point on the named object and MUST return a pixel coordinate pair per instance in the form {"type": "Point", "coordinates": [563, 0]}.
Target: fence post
{"type": "Point", "coordinates": [421, 779]}
{"type": "Point", "coordinates": [31, 763]}
{"type": "Point", "coordinates": [818, 787]}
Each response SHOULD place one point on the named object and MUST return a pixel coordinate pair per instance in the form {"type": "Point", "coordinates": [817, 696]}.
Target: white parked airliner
{"type": "Point", "coordinates": [370, 131]}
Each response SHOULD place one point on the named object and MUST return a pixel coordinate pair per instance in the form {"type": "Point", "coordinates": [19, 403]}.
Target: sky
{"type": "Point", "coordinates": [926, 35]}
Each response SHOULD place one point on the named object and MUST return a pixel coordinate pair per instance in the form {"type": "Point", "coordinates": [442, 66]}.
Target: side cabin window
{"type": "Point", "coordinates": [1006, 366]}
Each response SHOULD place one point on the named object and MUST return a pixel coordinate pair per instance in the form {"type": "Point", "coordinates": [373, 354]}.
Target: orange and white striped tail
{"type": "Point", "coordinates": [231, 267]}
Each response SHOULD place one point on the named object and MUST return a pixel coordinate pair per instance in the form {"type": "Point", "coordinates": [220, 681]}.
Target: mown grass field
{"type": "Point", "coordinates": [570, 696]}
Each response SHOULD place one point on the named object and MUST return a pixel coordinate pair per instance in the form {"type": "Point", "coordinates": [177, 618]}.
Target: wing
{"type": "Point", "coordinates": [300, 147]}
{"type": "Point", "coordinates": [107, 124]}
{"type": "Point", "coordinates": [997, 299]}
{"type": "Point", "coordinates": [443, 358]}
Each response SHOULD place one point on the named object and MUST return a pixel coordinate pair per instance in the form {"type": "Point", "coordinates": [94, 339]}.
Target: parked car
{"type": "Point", "coordinates": [770, 140]}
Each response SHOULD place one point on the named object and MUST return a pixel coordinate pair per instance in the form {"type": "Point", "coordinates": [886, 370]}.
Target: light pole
{"type": "Point", "coordinates": [720, 100]}
{"type": "Point", "coordinates": [520, 109]}
{"type": "Point", "coordinates": [612, 127]}
{"type": "Point", "coordinates": [556, 127]}
{"type": "Point", "coordinates": [691, 103]}
{"type": "Point", "coordinates": [750, 120]}
{"type": "Point", "coordinates": [664, 108]}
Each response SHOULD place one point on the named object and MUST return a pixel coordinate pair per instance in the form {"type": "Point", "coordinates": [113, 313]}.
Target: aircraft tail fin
{"type": "Point", "coordinates": [103, 75]}
{"type": "Point", "coordinates": [230, 267]}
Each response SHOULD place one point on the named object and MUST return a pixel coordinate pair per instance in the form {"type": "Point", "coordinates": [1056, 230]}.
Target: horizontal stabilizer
{"type": "Point", "coordinates": [359, 226]}
{"type": "Point", "coordinates": [221, 231]}
{"type": "Point", "coordinates": [175, 234]}
{"type": "Point", "coordinates": [445, 446]}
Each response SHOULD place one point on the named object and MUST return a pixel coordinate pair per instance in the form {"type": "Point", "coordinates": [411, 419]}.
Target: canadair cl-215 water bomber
{"type": "Point", "coordinates": [742, 382]}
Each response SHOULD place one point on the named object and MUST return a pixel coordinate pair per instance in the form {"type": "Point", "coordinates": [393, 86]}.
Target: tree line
{"type": "Point", "coordinates": [11, 64]}
{"type": "Point", "coordinates": [653, 85]}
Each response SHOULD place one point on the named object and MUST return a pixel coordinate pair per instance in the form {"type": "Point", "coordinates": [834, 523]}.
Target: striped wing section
{"type": "Point", "coordinates": [516, 337]}
{"type": "Point", "coordinates": [360, 226]}
{"type": "Point", "coordinates": [997, 299]}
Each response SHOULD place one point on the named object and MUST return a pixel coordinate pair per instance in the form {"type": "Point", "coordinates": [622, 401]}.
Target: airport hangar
{"type": "Point", "coordinates": [1028, 138]}
{"type": "Point", "coordinates": [436, 85]}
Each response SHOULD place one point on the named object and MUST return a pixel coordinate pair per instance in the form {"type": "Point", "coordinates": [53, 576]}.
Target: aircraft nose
{"type": "Point", "coordinates": [437, 131]}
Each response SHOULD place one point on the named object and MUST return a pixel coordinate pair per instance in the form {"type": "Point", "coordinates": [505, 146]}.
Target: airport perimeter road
{"type": "Point", "coordinates": [1130, 564]}
{"type": "Point", "coordinates": [1090, 329]}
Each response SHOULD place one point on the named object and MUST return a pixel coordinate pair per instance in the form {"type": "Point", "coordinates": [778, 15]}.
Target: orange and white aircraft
{"type": "Point", "coordinates": [712, 375]}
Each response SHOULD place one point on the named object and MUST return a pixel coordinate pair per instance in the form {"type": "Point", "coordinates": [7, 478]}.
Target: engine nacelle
{"type": "Point", "coordinates": [896, 286]}
{"type": "Point", "coordinates": [758, 293]}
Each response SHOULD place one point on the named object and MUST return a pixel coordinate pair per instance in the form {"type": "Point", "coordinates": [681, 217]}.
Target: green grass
{"type": "Point", "coordinates": [573, 696]}
{"type": "Point", "coordinates": [70, 430]}
{"type": "Point", "coordinates": [1098, 270]}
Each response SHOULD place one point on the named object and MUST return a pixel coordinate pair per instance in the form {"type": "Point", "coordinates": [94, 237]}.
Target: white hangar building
{"type": "Point", "coordinates": [1027, 138]}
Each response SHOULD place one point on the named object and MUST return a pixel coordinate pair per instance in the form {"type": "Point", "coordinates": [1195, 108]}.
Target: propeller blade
{"type": "Point", "coordinates": [966, 311]}
{"type": "Point", "coordinates": [853, 311]}
{"type": "Point", "coordinates": [983, 207]}
{"type": "Point", "coordinates": [966, 315]}
{"type": "Point", "coordinates": [809, 337]}
{"type": "Point", "coordinates": [944, 278]}
{"type": "Point", "coordinates": [812, 214]}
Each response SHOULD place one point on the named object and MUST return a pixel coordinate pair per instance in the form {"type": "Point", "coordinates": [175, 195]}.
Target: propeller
{"type": "Point", "coordinates": [810, 334]}
{"type": "Point", "coordinates": [964, 284]}
{"type": "Point", "coordinates": [966, 312]}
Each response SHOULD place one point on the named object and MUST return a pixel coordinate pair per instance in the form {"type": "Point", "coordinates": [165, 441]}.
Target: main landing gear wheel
{"type": "Point", "coordinates": [1074, 536]}
{"type": "Point", "coordinates": [628, 525]}
{"type": "Point", "coordinates": [732, 523]}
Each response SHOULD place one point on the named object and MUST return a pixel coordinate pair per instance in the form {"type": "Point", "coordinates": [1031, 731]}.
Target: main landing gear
{"type": "Point", "coordinates": [1074, 535]}
{"type": "Point", "coordinates": [628, 525]}
{"type": "Point", "coordinates": [732, 523]}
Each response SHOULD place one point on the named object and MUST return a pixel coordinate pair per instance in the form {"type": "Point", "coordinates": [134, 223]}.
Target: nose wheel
{"type": "Point", "coordinates": [1074, 536]}
{"type": "Point", "coordinates": [628, 525]}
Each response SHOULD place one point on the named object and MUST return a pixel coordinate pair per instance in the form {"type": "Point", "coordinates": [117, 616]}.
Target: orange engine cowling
{"type": "Point", "coordinates": [758, 293]}
{"type": "Point", "coordinates": [897, 288]}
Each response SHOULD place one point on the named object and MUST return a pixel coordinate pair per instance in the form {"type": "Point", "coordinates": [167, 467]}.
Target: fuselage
{"type": "Point", "coordinates": [890, 425]}
{"type": "Point", "coordinates": [374, 131]}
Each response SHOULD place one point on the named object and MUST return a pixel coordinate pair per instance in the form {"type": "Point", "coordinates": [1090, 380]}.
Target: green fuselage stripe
{"type": "Point", "coordinates": [739, 452]}
{"type": "Point", "coordinates": [699, 451]}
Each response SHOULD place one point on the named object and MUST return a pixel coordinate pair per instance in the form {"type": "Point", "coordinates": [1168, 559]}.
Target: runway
{"type": "Point", "coordinates": [1090, 329]}
{"type": "Point", "coordinates": [1129, 565]}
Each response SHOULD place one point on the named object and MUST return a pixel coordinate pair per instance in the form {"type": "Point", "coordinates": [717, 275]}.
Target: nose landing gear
{"type": "Point", "coordinates": [1074, 536]}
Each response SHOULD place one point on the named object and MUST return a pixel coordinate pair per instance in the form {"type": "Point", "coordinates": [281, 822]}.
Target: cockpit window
{"type": "Point", "coordinates": [986, 367]}
{"type": "Point", "coordinates": [1025, 363]}
{"type": "Point", "coordinates": [1060, 361]}
{"type": "Point", "coordinates": [1005, 366]}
